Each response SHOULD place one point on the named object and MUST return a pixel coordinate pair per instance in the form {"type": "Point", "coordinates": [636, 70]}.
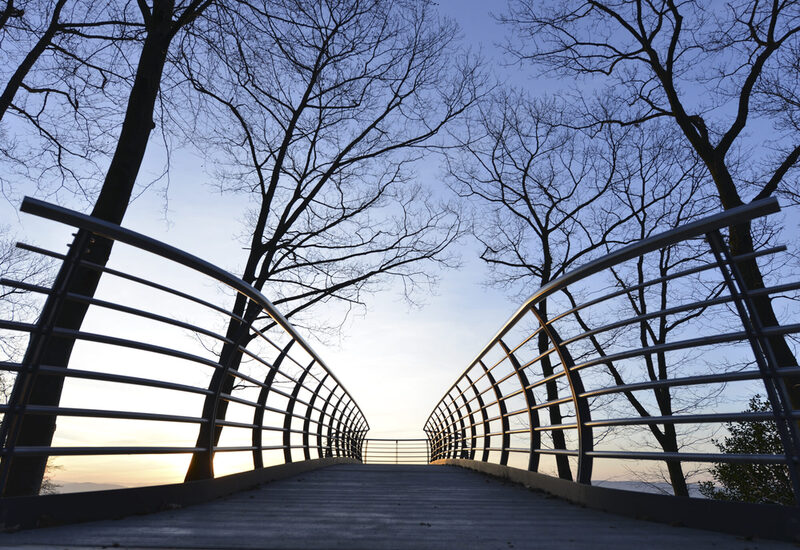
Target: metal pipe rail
{"type": "Point", "coordinates": [396, 451]}
{"type": "Point", "coordinates": [285, 403]}
{"type": "Point", "coordinates": [599, 364]}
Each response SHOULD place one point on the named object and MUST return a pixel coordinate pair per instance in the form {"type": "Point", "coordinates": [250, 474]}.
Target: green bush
{"type": "Point", "coordinates": [762, 483]}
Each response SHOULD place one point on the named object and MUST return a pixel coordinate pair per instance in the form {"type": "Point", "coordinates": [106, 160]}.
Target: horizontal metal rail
{"type": "Point", "coordinates": [594, 356]}
{"type": "Point", "coordinates": [396, 451]}
{"type": "Point", "coordinates": [284, 404]}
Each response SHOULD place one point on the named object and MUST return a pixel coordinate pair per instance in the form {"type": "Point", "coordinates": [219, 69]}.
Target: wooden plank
{"type": "Point", "coordinates": [381, 506]}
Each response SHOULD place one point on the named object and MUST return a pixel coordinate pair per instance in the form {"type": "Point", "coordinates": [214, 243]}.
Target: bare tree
{"type": "Point", "coordinates": [17, 303]}
{"type": "Point", "coordinates": [536, 186]}
{"type": "Point", "coordinates": [162, 22]}
{"type": "Point", "coordinates": [722, 75]}
{"type": "Point", "coordinates": [662, 186]}
{"type": "Point", "coordinates": [62, 90]}
{"type": "Point", "coordinates": [550, 197]}
{"type": "Point", "coordinates": [326, 104]}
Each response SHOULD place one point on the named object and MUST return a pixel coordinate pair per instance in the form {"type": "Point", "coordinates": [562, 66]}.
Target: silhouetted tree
{"type": "Point", "coordinates": [320, 108]}
{"type": "Point", "coordinates": [722, 74]}
{"type": "Point", "coordinates": [162, 22]}
{"type": "Point", "coordinates": [16, 304]}
{"type": "Point", "coordinates": [63, 86]}
{"type": "Point", "coordinates": [662, 187]}
{"type": "Point", "coordinates": [549, 197]}
{"type": "Point", "coordinates": [535, 186]}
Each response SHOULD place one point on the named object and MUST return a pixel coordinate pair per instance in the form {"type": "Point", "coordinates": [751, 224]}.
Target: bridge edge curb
{"type": "Point", "coordinates": [48, 510]}
{"type": "Point", "coordinates": [736, 518]}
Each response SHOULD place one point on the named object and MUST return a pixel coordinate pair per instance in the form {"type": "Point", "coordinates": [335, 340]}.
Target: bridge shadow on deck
{"type": "Point", "coordinates": [381, 506]}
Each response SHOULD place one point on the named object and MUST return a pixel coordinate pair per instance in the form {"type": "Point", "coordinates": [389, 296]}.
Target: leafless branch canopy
{"type": "Point", "coordinates": [320, 109]}
{"type": "Point", "coordinates": [725, 74]}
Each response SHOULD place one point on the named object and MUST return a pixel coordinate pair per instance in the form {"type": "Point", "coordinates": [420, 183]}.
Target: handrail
{"type": "Point", "coordinates": [574, 357]}
{"type": "Point", "coordinates": [700, 227]}
{"type": "Point", "coordinates": [335, 431]}
{"type": "Point", "coordinates": [118, 233]}
{"type": "Point", "coordinates": [396, 451]}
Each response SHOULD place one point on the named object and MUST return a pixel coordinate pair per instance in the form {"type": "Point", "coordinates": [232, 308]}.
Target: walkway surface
{"type": "Point", "coordinates": [357, 506]}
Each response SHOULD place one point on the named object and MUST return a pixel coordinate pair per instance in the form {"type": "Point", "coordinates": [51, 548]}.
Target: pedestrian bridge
{"type": "Point", "coordinates": [381, 506]}
{"type": "Point", "coordinates": [637, 364]}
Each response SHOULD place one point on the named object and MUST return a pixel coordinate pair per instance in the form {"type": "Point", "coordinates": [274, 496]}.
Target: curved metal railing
{"type": "Point", "coordinates": [285, 403]}
{"type": "Point", "coordinates": [645, 354]}
{"type": "Point", "coordinates": [396, 451]}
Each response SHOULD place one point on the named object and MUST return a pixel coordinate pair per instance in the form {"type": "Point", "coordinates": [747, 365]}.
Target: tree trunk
{"type": "Point", "coordinates": [202, 463]}
{"type": "Point", "coordinates": [669, 441]}
{"type": "Point", "coordinates": [559, 441]}
{"type": "Point", "coordinates": [26, 473]}
{"type": "Point", "coordinates": [674, 467]}
{"type": "Point", "coordinates": [741, 242]}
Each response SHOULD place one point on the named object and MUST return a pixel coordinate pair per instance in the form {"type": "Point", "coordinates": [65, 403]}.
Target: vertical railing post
{"type": "Point", "coordinates": [433, 434]}
{"type": "Point", "coordinates": [431, 429]}
{"type": "Point", "coordinates": [352, 427]}
{"type": "Point", "coordinates": [460, 436]}
{"type": "Point", "coordinates": [429, 445]}
{"type": "Point", "coordinates": [345, 434]}
{"type": "Point", "coordinates": [448, 430]}
{"type": "Point", "coordinates": [582, 412]}
{"type": "Point", "coordinates": [333, 442]}
{"type": "Point", "coordinates": [363, 428]}
{"type": "Point", "coordinates": [535, 442]}
{"type": "Point", "coordinates": [349, 430]}
{"type": "Point", "coordinates": [307, 421]}
{"type": "Point", "coordinates": [441, 432]}
{"type": "Point", "coordinates": [774, 383]}
{"type": "Point", "coordinates": [427, 432]}
{"type": "Point", "coordinates": [429, 440]}
{"type": "Point", "coordinates": [258, 414]}
{"type": "Point", "coordinates": [485, 417]}
{"type": "Point", "coordinates": [472, 431]}
{"type": "Point", "coordinates": [321, 424]}
{"type": "Point", "coordinates": [356, 438]}
{"type": "Point", "coordinates": [506, 438]}
{"type": "Point", "coordinates": [288, 414]}
{"type": "Point", "coordinates": [15, 418]}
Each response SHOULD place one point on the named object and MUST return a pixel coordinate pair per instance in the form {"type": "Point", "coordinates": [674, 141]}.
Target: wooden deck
{"type": "Point", "coordinates": [357, 506]}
